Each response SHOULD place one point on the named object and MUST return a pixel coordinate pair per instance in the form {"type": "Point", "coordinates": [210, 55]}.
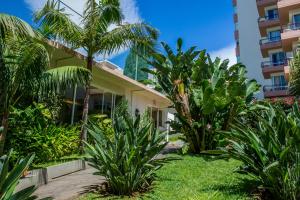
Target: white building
{"type": "Point", "coordinates": [267, 33]}
{"type": "Point", "coordinates": [109, 86]}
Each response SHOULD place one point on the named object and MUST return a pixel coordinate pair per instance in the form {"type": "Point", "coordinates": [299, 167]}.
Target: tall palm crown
{"type": "Point", "coordinates": [102, 31]}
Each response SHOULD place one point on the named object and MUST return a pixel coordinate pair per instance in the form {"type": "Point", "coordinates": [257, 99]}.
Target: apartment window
{"type": "Point", "coordinates": [274, 35]}
{"type": "Point", "coordinates": [278, 58]}
{"type": "Point", "coordinates": [272, 14]}
{"type": "Point", "coordinates": [296, 20]}
{"type": "Point", "coordinates": [279, 82]}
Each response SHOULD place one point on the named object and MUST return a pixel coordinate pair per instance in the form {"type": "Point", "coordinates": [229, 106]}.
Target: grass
{"type": "Point", "coordinates": [194, 178]}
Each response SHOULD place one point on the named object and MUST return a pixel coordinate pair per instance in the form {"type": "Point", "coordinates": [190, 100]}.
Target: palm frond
{"type": "Point", "coordinates": [14, 25]}
{"type": "Point", "coordinates": [61, 78]}
{"type": "Point", "coordinates": [54, 23]}
{"type": "Point", "coordinates": [126, 36]}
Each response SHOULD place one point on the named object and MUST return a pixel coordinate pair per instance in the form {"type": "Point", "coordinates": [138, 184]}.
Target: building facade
{"type": "Point", "coordinates": [267, 34]}
{"type": "Point", "coordinates": [109, 87]}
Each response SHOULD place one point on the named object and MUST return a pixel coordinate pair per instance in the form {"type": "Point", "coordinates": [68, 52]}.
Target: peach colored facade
{"type": "Point", "coordinates": [279, 30]}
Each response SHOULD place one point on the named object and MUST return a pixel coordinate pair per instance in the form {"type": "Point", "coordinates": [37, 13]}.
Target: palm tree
{"type": "Point", "coordinates": [101, 32]}
{"type": "Point", "coordinates": [25, 68]}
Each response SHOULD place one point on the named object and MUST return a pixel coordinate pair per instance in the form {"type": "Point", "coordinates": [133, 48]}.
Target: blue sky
{"type": "Point", "coordinates": [206, 24]}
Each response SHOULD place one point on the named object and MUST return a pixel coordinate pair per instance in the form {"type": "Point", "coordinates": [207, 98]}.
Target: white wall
{"type": "Point", "coordinates": [249, 36]}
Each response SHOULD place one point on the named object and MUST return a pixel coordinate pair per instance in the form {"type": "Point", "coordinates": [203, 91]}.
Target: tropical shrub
{"type": "Point", "coordinates": [104, 124]}
{"type": "Point", "coordinates": [33, 131]}
{"type": "Point", "coordinates": [9, 179]}
{"type": "Point", "coordinates": [129, 162]}
{"type": "Point", "coordinates": [102, 31]}
{"type": "Point", "coordinates": [25, 69]}
{"type": "Point", "coordinates": [206, 94]}
{"type": "Point", "coordinates": [269, 148]}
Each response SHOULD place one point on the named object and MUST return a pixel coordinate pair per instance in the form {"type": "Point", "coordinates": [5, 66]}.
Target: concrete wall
{"type": "Point", "coordinates": [249, 36]}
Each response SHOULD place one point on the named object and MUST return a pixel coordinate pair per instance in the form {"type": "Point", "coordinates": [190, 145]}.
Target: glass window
{"type": "Point", "coordinates": [278, 58]}
{"type": "Point", "coordinates": [275, 35]}
{"type": "Point", "coordinates": [279, 82]}
{"type": "Point", "coordinates": [296, 20]}
{"type": "Point", "coordinates": [272, 14]}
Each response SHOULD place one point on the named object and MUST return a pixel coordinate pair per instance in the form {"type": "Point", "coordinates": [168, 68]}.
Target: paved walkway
{"type": "Point", "coordinates": [70, 186]}
{"type": "Point", "coordinates": [73, 185]}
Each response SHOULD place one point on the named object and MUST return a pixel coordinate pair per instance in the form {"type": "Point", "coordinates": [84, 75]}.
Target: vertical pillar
{"type": "Point", "coordinates": [74, 104]}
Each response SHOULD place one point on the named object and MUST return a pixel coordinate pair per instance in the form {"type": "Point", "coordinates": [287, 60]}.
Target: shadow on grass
{"type": "Point", "coordinates": [244, 186]}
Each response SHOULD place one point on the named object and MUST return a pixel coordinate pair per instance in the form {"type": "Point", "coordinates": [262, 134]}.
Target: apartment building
{"type": "Point", "coordinates": [267, 33]}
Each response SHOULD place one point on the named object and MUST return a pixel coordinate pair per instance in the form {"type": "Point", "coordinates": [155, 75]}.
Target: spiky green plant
{"type": "Point", "coordinates": [102, 31]}
{"type": "Point", "coordinates": [129, 161]}
{"type": "Point", "coordinates": [269, 147]}
{"type": "Point", "coordinates": [9, 179]}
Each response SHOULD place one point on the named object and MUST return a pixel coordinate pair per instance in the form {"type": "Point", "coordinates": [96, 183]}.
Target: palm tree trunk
{"type": "Point", "coordinates": [83, 134]}
{"type": "Point", "coordinates": [4, 131]}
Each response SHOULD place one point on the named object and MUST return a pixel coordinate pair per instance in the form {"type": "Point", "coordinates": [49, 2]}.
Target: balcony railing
{"type": "Point", "coordinates": [275, 88]}
{"type": "Point", "coordinates": [269, 40]}
{"type": "Point", "coordinates": [273, 64]}
{"type": "Point", "coordinates": [291, 27]}
{"type": "Point", "coordinates": [268, 18]}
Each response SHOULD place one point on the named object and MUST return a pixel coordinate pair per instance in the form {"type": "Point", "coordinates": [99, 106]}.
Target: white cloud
{"type": "Point", "coordinates": [225, 53]}
{"type": "Point", "coordinates": [129, 9]}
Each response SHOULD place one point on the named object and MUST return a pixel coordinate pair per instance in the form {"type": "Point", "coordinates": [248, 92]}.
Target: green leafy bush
{"type": "Point", "coordinates": [9, 179]}
{"type": "Point", "coordinates": [104, 123]}
{"type": "Point", "coordinates": [128, 162]}
{"type": "Point", "coordinates": [33, 131]}
{"type": "Point", "coordinates": [269, 147]}
{"type": "Point", "coordinates": [206, 94]}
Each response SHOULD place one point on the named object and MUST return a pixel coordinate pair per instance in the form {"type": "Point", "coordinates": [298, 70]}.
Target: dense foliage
{"type": "Point", "coordinates": [102, 31]}
{"type": "Point", "coordinates": [206, 94]}
{"type": "Point", "coordinates": [25, 68]}
{"type": "Point", "coordinates": [34, 131]}
{"type": "Point", "coordinates": [9, 179]}
{"type": "Point", "coordinates": [268, 143]}
{"type": "Point", "coordinates": [128, 162]}
{"type": "Point", "coordinates": [294, 65]}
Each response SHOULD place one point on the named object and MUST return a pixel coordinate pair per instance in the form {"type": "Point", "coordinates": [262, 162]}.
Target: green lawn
{"type": "Point", "coordinates": [195, 178]}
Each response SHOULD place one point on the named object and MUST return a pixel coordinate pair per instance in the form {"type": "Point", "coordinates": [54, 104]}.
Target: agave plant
{"type": "Point", "coordinates": [9, 179]}
{"type": "Point", "coordinates": [269, 147]}
{"type": "Point", "coordinates": [128, 161]}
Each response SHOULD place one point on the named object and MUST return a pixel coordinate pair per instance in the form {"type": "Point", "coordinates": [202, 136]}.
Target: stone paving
{"type": "Point", "coordinates": [70, 186]}
{"type": "Point", "coordinates": [73, 185]}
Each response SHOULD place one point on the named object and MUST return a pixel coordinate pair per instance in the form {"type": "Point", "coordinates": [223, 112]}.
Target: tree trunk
{"type": "Point", "coordinates": [4, 131]}
{"type": "Point", "coordinates": [83, 134]}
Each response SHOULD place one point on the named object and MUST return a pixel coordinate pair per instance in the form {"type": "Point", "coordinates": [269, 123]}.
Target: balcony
{"type": "Point", "coordinates": [289, 35]}
{"type": "Point", "coordinates": [276, 91]}
{"type": "Point", "coordinates": [261, 4]}
{"type": "Point", "coordinates": [267, 22]}
{"type": "Point", "coordinates": [234, 2]}
{"type": "Point", "coordinates": [236, 35]}
{"type": "Point", "coordinates": [284, 7]}
{"type": "Point", "coordinates": [269, 44]}
{"type": "Point", "coordinates": [270, 67]}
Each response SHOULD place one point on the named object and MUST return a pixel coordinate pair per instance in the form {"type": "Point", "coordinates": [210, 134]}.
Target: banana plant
{"type": "Point", "coordinates": [206, 94]}
{"type": "Point", "coordinates": [9, 179]}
